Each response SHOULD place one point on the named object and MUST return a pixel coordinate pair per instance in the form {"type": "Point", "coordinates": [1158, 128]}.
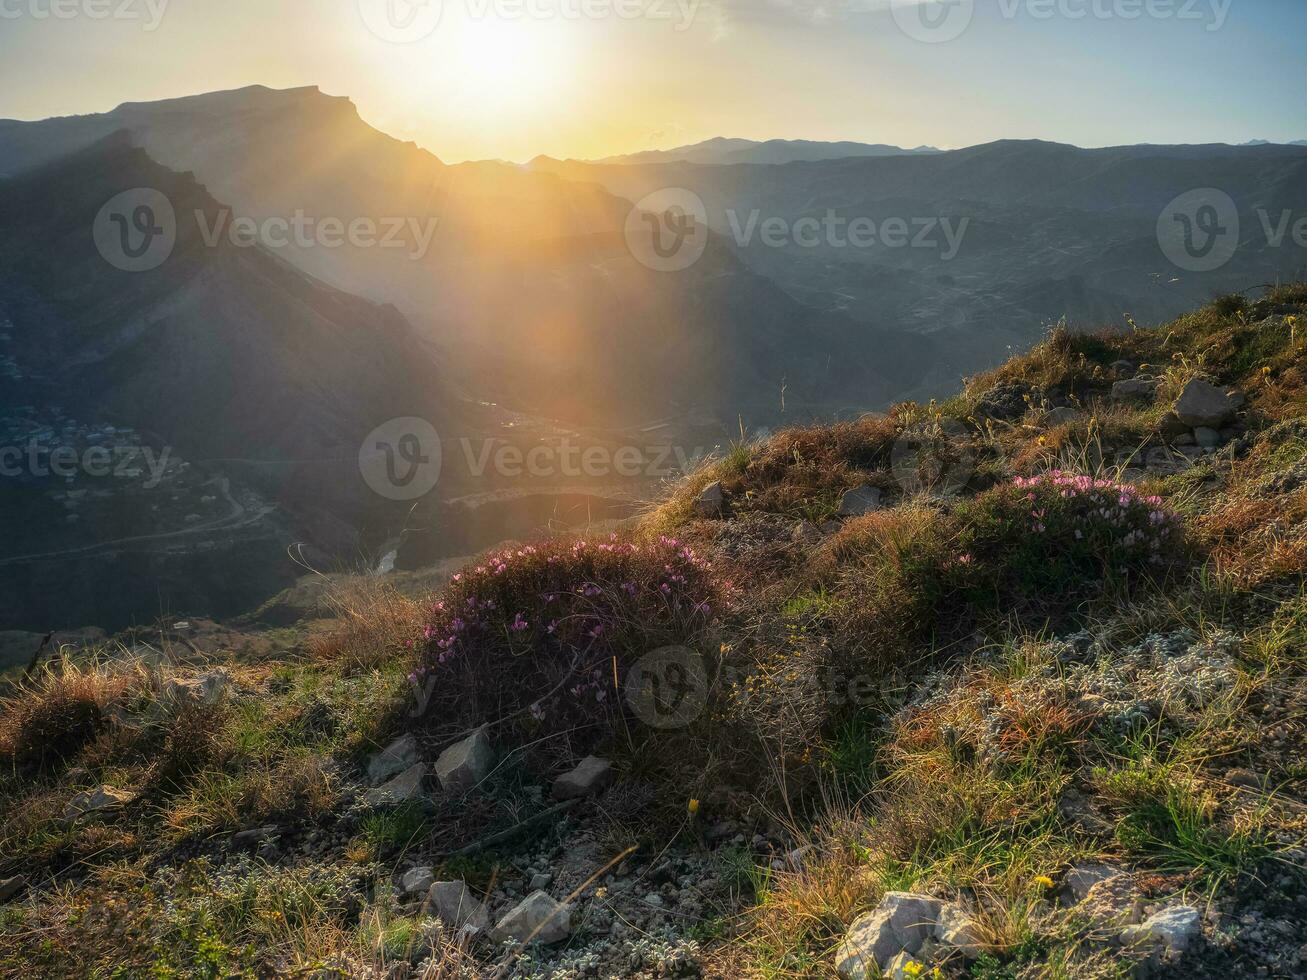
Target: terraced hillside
{"type": "Point", "coordinates": [1008, 686]}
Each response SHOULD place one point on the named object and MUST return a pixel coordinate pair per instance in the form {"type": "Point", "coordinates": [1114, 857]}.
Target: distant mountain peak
{"type": "Point", "coordinates": [725, 151]}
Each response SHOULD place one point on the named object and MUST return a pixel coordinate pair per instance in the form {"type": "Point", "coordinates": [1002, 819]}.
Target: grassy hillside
{"type": "Point", "coordinates": [1034, 656]}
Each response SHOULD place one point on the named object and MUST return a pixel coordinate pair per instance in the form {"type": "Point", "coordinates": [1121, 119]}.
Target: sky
{"type": "Point", "coordinates": [510, 79]}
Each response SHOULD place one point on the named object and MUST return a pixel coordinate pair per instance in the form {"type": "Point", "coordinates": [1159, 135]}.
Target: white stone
{"type": "Point", "coordinates": [590, 776]}
{"type": "Point", "coordinates": [1081, 878]}
{"type": "Point", "coordinates": [538, 919]}
{"type": "Point", "coordinates": [901, 923]}
{"type": "Point", "coordinates": [399, 755]}
{"type": "Point", "coordinates": [454, 904]}
{"type": "Point", "coordinates": [897, 966]}
{"type": "Point", "coordinates": [1115, 900]}
{"type": "Point", "coordinates": [710, 501]}
{"type": "Point", "coordinates": [1169, 931]}
{"type": "Point", "coordinates": [461, 767]}
{"type": "Point", "coordinates": [956, 928]}
{"type": "Point", "coordinates": [95, 800]}
{"type": "Point", "coordinates": [1135, 389]}
{"type": "Point", "coordinates": [207, 689]}
{"type": "Point", "coordinates": [406, 786]}
{"type": "Point", "coordinates": [416, 880]}
{"type": "Point", "coordinates": [1203, 405]}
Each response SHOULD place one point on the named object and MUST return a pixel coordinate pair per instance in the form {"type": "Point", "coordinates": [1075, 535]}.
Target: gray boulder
{"type": "Point", "coordinates": [11, 887]}
{"type": "Point", "coordinates": [590, 776]}
{"type": "Point", "coordinates": [404, 787]}
{"type": "Point", "coordinates": [206, 689]}
{"type": "Point", "coordinates": [901, 923]}
{"type": "Point", "coordinates": [861, 500]}
{"type": "Point", "coordinates": [399, 755]}
{"type": "Point", "coordinates": [1135, 389]}
{"type": "Point", "coordinates": [1077, 882]}
{"type": "Point", "coordinates": [97, 800]}
{"type": "Point", "coordinates": [957, 929]}
{"type": "Point", "coordinates": [461, 767]}
{"type": "Point", "coordinates": [1060, 416]}
{"type": "Point", "coordinates": [416, 881]}
{"type": "Point", "coordinates": [454, 904]}
{"type": "Point", "coordinates": [1203, 405]}
{"type": "Point", "coordinates": [538, 919]}
{"type": "Point", "coordinates": [710, 501]}
{"type": "Point", "coordinates": [1207, 438]}
{"type": "Point", "coordinates": [1114, 901]}
{"type": "Point", "coordinates": [1168, 932]}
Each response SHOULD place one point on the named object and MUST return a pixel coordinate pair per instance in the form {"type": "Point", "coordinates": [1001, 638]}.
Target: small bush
{"type": "Point", "coordinates": [545, 632]}
{"type": "Point", "coordinates": [1036, 548]}
{"type": "Point", "coordinates": [52, 719]}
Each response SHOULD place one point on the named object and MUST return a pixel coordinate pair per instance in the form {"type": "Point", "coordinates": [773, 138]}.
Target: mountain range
{"type": "Point", "coordinates": [514, 306]}
{"type": "Point", "coordinates": [722, 151]}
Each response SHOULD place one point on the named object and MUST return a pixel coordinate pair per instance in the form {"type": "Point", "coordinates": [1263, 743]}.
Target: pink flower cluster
{"type": "Point", "coordinates": [541, 626]}
{"type": "Point", "coordinates": [1089, 507]}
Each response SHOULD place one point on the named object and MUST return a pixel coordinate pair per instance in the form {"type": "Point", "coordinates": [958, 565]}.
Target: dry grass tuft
{"type": "Point", "coordinates": [52, 717]}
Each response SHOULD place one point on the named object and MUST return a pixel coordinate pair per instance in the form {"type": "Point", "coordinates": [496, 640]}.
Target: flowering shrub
{"type": "Point", "coordinates": [545, 633]}
{"type": "Point", "coordinates": [1068, 532]}
{"type": "Point", "coordinates": [1035, 547]}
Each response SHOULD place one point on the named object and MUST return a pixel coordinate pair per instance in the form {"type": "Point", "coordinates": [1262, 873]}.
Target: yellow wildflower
{"type": "Point", "coordinates": [1044, 881]}
{"type": "Point", "coordinates": [693, 807]}
{"type": "Point", "coordinates": [913, 969]}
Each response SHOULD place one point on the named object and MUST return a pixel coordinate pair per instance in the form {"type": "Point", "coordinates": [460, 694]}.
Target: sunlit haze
{"type": "Point", "coordinates": [510, 80]}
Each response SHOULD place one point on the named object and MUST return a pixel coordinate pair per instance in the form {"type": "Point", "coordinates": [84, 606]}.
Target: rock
{"type": "Point", "coordinates": [248, 840]}
{"type": "Point", "coordinates": [957, 929]}
{"type": "Point", "coordinates": [806, 532]}
{"type": "Point", "coordinates": [541, 880]}
{"type": "Point", "coordinates": [95, 801]}
{"type": "Point", "coordinates": [1135, 389]}
{"type": "Point", "coordinates": [1171, 427]}
{"type": "Point", "coordinates": [710, 501]}
{"type": "Point", "coordinates": [859, 501]}
{"type": "Point", "coordinates": [1244, 779]}
{"type": "Point", "coordinates": [399, 755]}
{"type": "Point", "coordinates": [454, 904]}
{"type": "Point", "coordinates": [1116, 901]}
{"type": "Point", "coordinates": [1007, 401]}
{"type": "Point", "coordinates": [538, 919]}
{"type": "Point", "coordinates": [416, 881]}
{"type": "Point", "coordinates": [897, 966]}
{"type": "Point", "coordinates": [1187, 439]}
{"type": "Point", "coordinates": [1167, 932]}
{"type": "Point", "coordinates": [590, 776]}
{"type": "Point", "coordinates": [1123, 368]}
{"type": "Point", "coordinates": [207, 689]}
{"type": "Point", "coordinates": [406, 786]}
{"type": "Point", "coordinates": [901, 923]}
{"type": "Point", "coordinates": [1060, 416]}
{"type": "Point", "coordinates": [1207, 438]}
{"type": "Point", "coordinates": [1080, 879]}
{"type": "Point", "coordinates": [11, 887]}
{"type": "Point", "coordinates": [1203, 405]}
{"type": "Point", "coordinates": [461, 767]}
